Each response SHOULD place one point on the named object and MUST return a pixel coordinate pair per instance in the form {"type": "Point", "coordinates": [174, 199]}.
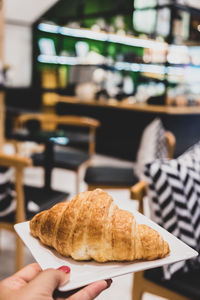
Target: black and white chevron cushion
{"type": "Point", "coordinates": [191, 157]}
{"type": "Point", "coordinates": [7, 197]}
{"type": "Point", "coordinates": [174, 190]}
{"type": "Point", "coordinates": [152, 146]}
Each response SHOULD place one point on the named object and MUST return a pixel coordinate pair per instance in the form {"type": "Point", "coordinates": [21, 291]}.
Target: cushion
{"type": "Point", "coordinates": [7, 196]}
{"type": "Point", "coordinates": [186, 284]}
{"type": "Point", "coordinates": [174, 190]}
{"type": "Point", "coordinates": [65, 159]}
{"type": "Point", "coordinates": [191, 157]}
{"type": "Point", "coordinates": [152, 145]}
{"type": "Point", "coordinates": [71, 160]}
{"type": "Point", "coordinates": [42, 198]}
{"type": "Point", "coordinates": [110, 175]}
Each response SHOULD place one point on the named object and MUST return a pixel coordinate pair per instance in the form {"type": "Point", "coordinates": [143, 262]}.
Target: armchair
{"type": "Point", "coordinates": [23, 195]}
{"type": "Point", "coordinates": [79, 130]}
{"type": "Point", "coordinates": [181, 286]}
{"type": "Point", "coordinates": [7, 222]}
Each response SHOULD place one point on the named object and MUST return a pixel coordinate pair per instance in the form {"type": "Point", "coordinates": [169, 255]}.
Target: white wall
{"type": "Point", "coordinates": [18, 38]}
{"type": "Point", "coordinates": [18, 54]}
{"type": "Point", "coordinates": [26, 10]}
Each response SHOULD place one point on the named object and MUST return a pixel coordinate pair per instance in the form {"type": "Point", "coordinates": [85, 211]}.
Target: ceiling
{"type": "Point", "coordinates": [26, 11]}
{"type": "Point", "coordinates": [65, 11]}
{"type": "Point", "coordinates": [192, 3]}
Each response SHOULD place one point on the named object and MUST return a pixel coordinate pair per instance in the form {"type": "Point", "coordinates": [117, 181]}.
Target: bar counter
{"type": "Point", "coordinates": [122, 123]}
{"type": "Point", "coordinates": [143, 107]}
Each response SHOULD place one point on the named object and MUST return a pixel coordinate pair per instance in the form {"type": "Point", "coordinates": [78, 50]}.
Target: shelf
{"type": "Point", "coordinates": [120, 66]}
{"type": "Point", "coordinates": [103, 36]}
{"type": "Point", "coordinates": [110, 37]}
{"type": "Point", "coordinates": [143, 107]}
{"type": "Point", "coordinates": [151, 70]}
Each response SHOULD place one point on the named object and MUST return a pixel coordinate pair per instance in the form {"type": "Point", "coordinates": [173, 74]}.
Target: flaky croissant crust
{"type": "Point", "coordinates": [91, 226]}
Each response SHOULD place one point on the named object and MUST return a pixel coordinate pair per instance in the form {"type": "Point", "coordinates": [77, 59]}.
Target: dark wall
{"type": "Point", "coordinates": [19, 100]}
{"type": "Point", "coordinates": [121, 130]}
{"type": "Point", "coordinates": [186, 129]}
{"type": "Point", "coordinates": [22, 98]}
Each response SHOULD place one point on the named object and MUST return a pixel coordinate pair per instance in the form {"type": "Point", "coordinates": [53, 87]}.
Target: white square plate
{"type": "Point", "coordinates": [83, 273]}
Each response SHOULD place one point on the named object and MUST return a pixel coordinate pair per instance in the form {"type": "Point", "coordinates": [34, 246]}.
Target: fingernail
{"type": "Point", "coordinates": [109, 282]}
{"type": "Point", "coordinates": [65, 269]}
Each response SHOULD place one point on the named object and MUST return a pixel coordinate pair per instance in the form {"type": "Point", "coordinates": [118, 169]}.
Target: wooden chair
{"type": "Point", "coordinates": [18, 163]}
{"type": "Point", "coordinates": [112, 177]}
{"type": "Point", "coordinates": [66, 158]}
{"type": "Point", "coordinates": [24, 194]}
{"type": "Point", "coordinates": [180, 286]}
{"type": "Point", "coordinates": [2, 119]}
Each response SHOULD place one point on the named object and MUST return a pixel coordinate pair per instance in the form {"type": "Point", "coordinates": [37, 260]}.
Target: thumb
{"type": "Point", "coordinates": [47, 281]}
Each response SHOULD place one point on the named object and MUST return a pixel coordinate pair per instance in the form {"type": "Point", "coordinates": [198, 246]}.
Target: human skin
{"type": "Point", "coordinates": [31, 283]}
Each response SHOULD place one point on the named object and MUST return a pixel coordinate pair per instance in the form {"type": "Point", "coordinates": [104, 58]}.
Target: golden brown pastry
{"type": "Point", "coordinates": [91, 226]}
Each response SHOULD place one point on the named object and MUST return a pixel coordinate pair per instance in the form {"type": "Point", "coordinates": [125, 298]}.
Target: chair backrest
{"type": "Point", "coordinates": [138, 191]}
{"type": "Point", "coordinates": [53, 121]}
{"type": "Point", "coordinates": [82, 122]}
{"type": "Point", "coordinates": [155, 143]}
{"type": "Point", "coordinates": [171, 142]}
{"type": "Point", "coordinates": [45, 120]}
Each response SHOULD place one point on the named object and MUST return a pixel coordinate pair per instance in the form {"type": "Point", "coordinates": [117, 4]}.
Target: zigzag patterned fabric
{"type": "Point", "coordinates": [174, 190]}
{"type": "Point", "coordinates": [7, 194]}
{"type": "Point", "coordinates": [152, 146]}
{"type": "Point", "coordinates": [191, 157]}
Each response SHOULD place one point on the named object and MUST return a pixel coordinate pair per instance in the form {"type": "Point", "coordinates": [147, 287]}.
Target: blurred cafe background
{"type": "Point", "coordinates": [110, 68]}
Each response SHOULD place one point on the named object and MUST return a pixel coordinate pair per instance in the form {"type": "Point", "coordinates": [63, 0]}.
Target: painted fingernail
{"type": "Point", "coordinates": [109, 282]}
{"type": "Point", "coordinates": [65, 269]}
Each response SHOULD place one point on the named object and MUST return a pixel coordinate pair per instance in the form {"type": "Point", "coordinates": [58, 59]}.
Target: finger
{"type": "Point", "coordinates": [58, 295]}
{"type": "Point", "coordinates": [47, 281]}
{"type": "Point", "coordinates": [91, 291]}
{"type": "Point", "coordinates": [22, 277]}
{"type": "Point", "coordinates": [29, 272]}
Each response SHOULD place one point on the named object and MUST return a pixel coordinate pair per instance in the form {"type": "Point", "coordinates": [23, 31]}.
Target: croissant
{"type": "Point", "coordinates": [91, 226]}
